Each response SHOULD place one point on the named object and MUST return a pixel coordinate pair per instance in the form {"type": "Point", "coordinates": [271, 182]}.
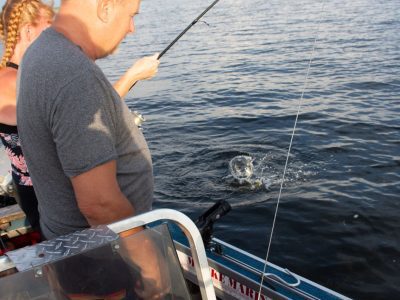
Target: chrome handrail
{"type": "Point", "coordinates": [192, 233]}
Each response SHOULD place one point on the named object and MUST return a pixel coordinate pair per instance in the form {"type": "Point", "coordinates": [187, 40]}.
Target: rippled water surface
{"type": "Point", "coordinates": [231, 87]}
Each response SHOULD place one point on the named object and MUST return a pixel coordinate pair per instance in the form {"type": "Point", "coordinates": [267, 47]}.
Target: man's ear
{"type": "Point", "coordinates": [105, 8]}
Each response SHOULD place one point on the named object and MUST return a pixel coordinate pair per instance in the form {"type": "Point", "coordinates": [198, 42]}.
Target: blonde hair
{"type": "Point", "coordinates": [14, 15]}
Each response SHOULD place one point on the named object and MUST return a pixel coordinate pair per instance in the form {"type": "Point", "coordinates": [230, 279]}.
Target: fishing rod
{"type": "Point", "coordinates": [183, 32]}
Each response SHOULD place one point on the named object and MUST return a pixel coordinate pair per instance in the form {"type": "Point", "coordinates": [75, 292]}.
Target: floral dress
{"type": "Point", "coordinates": [19, 171]}
{"type": "Point", "coordinates": [10, 139]}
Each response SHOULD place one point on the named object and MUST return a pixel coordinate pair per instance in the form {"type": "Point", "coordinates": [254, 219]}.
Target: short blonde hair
{"type": "Point", "coordinates": [14, 15]}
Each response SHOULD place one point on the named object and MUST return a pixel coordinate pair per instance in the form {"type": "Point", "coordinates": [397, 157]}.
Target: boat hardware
{"type": "Point", "coordinates": [206, 221]}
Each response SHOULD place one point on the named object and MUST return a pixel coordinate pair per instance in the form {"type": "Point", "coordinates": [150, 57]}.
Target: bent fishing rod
{"type": "Point", "coordinates": [183, 32]}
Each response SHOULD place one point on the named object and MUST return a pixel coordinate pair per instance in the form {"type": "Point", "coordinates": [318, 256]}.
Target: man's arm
{"type": "Point", "coordinates": [101, 201]}
{"type": "Point", "coordinates": [144, 68]}
{"type": "Point", "coordinates": [99, 197]}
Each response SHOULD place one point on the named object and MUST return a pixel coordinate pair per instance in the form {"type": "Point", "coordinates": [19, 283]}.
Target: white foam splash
{"type": "Point", "coordinates": [246, 171]}
{"type": "Point", "coordinates": [242, 171]}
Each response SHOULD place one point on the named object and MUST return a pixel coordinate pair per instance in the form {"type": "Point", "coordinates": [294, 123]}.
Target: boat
{"type": "Point", "coordinates": [201, 265]}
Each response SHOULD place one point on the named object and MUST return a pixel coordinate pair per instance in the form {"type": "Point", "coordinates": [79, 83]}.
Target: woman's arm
{"type": "Point", "coordinates": [144, 68]}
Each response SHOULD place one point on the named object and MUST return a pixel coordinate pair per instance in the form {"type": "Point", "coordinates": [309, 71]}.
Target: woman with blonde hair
{"type": "Point", "coordinates": [21, 22]}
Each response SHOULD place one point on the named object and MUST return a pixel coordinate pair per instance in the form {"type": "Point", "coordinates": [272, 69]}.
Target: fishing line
{"type": "Point", "coordinates": [289, 149]}
{"type": "Point", "coordinates": [183, 32]}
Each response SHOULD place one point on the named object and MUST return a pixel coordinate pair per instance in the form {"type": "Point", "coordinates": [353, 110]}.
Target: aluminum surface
{"type": "Point", "coordinates": [61, 247]}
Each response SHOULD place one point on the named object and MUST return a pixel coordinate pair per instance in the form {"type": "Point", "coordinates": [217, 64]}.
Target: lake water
{"type": "Point", "coordinates": [231, 87]}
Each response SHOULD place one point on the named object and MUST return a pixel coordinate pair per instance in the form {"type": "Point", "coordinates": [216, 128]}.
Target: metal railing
{"type": "Point", "coordinates": [192, 233]}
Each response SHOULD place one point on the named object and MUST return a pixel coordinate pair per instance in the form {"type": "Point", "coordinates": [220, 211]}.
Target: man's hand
{"type": "Point", "coordinates": [142, 253]}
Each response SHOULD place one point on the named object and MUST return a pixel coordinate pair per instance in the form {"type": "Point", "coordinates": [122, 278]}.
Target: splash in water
{"type": "Point", "coordinates": [241, 167]}
{"type": "Point", "coordinates": [242, 171]}
{"type": "Point", "coordinates": [248, 172]}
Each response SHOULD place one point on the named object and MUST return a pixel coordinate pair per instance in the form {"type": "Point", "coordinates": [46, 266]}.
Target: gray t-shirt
{"type": "Point", "coordinates": [70, 120]}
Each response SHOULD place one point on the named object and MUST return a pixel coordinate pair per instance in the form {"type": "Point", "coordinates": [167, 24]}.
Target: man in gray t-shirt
{"type": "Point", "coordinates": [89, 162]}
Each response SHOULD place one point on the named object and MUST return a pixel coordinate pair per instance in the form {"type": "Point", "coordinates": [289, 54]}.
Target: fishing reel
{"type": "Point", "coordinates": [206, 221]}
{"type": "Point", "coordinates": [138, 118]}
